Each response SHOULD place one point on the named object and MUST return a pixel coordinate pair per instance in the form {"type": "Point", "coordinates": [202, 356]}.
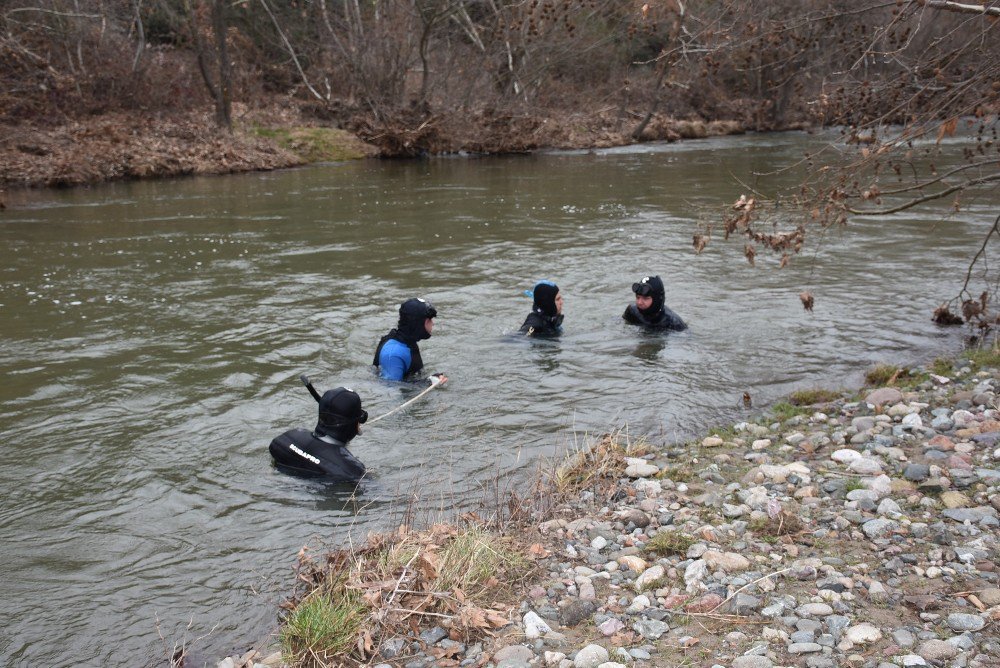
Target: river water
{"type": "Point", "coordinates": [153, 332]}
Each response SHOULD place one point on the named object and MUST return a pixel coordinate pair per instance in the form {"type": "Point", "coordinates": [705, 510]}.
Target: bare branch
{"type": "Point", "coordinates": [960, 8]}
{"type": "Point", "coordinates": [982, 249]}
{"type": "Point", "coordinates": [929, 198]}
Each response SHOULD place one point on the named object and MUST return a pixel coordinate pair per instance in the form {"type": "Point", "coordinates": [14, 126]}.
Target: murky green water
{"type": "Point", "coordinates": [152, 335]}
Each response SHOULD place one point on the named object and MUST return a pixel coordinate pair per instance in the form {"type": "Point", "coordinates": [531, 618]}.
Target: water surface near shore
{"type": "Point", "coordinates": [153, 333]}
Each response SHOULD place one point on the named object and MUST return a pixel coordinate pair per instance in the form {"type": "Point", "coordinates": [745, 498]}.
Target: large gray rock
{"type": "Point", "coordinates": [813, 610]}
{"type": "Point", "coordinates": [752, 662]}
{"type": "Point", "coordinates": [937, 650]}
{"type": "Point", "coordinates": [884, 395]}
{"type": "Point", "coordinates": [960, 621]}
{"type": "Point", "coordinates": [879, 528]}
{"type": "Point", "coordinates": [518, 653]}
{"type": "Point", "coordinates": [973, 515]}
{"type": "Point", "coordinates": [575, 612]}
{"type": "Point", "coordinates": [916, 472]}
{"type": "Point", "coordinates": [727, 561]}
{"type": "Point", "coordinates": [804, 648]}
{"type": "Point", "coordinates": [591, 656]}
{"type": "Point", "coordinates": [650, 628]}
{"type": "Point", "coordinates": [864, 633]}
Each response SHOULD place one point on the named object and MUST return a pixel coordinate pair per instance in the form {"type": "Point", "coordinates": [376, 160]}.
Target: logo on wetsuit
{"type": "Point", "coordinates": [306, 455]}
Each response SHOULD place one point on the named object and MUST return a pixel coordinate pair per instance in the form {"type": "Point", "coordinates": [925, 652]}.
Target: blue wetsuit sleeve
{"type": "Point", "coordinates": [394, 361]}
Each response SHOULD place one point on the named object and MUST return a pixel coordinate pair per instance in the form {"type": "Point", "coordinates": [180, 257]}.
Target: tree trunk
{"type": "Point", "coordinates": [219, 90]}
{"type": "Point", "coordinates": [224, 99]}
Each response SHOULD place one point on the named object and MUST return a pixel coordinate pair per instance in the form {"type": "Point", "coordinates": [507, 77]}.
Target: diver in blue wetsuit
{"type": "Point", "coordinates": [323, 452]}
{"type": "Point", "coordinates": [649, 310]}
{"type": "Point", "coordinates": [545, 319]}
{"type": "Point", "coordinates": [397, 354]}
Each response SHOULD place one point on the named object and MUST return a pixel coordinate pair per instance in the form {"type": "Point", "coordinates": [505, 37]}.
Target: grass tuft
{"type": "Point", "coordinates": [670, 542]}
{"type": "Point", "coordinates": [783, 524]}
{"type": "Point", "coordinates": [942, 367]}
{"type": "Point", "coordinates": [853, 484]}
{"type": "Point", "coordinates": [813, 396]}
{"type": "Point", "coordinates": [604, 460]}
{"type": "Point", "coordinates": [324, 625]}
{"type": "Point", "coordinates": [981, 358]}
{"type": "Point", "coordinates": [882, 374]}
{"type": "Point", "coordinates": [784, 410]}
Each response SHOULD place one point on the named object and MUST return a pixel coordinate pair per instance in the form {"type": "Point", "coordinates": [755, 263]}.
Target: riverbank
{"type": "Point", "coordinates": [860, 531]}
{"type": "Point", "coordinates": [119, 146]}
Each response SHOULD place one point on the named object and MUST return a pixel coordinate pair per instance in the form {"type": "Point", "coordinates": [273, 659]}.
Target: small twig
{"type": "Point", "coordinates": [401, 576]}
{"type": "Point", "coordinates": [422, 613]}
{"type": "Point", "coordinates": [982, 249]}
{"type": "Point", "coordinates": [730, 597]}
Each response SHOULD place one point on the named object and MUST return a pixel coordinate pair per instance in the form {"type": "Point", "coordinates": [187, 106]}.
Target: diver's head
{"type": "Point", "coordinates": [340, 414]}
{"type": "Point", "coordinates": [548, 301]}
{"type": "Point", "coordinates": [416, 319]}
{"type": "Point", "coordinates": [650, 295]}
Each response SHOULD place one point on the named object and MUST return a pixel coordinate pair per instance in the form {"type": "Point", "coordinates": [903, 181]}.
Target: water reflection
{"type": "Point", "coordinates": [649, 347]}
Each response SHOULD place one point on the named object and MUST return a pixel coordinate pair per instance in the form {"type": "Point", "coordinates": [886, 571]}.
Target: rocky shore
{"type": "Point", "coordinates": [858, 533]}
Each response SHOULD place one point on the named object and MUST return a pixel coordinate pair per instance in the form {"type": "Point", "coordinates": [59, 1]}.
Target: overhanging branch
{"type": "Point", "coordinates": [960, 8]}
{"type": "Point", "coordinates": [928, 198]}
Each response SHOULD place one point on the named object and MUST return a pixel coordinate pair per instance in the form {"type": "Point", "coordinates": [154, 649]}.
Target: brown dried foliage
{"type": "Point", "coordinates": [449, 576]}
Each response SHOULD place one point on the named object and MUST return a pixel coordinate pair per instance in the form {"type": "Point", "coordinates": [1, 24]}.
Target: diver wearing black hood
{"type": "Point", "coordinates": [323, 452]}
{"type": "Point", "coordinates": [545, 319]}
{"type": "Point", "coordinates": [397, 354]}
{"type": "Point", "coordinates": [649, 309]}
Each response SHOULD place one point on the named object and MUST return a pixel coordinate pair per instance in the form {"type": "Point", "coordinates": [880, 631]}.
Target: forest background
{"type": "Point", "coordinates": [93, 90]}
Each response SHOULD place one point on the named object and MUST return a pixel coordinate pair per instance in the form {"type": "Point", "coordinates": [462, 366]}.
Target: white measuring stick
{"type": "Point", "coordinates": [403, 405]}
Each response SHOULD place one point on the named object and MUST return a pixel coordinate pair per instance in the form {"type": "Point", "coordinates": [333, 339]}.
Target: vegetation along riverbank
{"type": "Point", "coordinates": [838, 529]}
{"type": "Point", "coordinates": [101, 90]}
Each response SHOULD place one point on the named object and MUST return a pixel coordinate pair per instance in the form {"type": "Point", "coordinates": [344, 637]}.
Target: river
{"type": "Point", "coordinates": [153, 333]}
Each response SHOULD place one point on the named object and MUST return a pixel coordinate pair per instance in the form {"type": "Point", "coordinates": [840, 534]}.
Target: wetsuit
{"type": "Point", "coordinates": [664, 319]}
{"type": "Point", "coordinates": [306, 452]}
{"type": "Point", "coordinates": [323, 452]}
{"type": "Point", "coordinates": [545, 320]}
{"type": "Point", "coordinates": [397, 354]}
{"type": "Point", "coordinates": [657, 316]}
{"type": "Point", "coordinates": [541, 325]}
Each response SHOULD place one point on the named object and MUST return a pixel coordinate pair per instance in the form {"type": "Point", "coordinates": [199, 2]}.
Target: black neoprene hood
{"type": "Point", "coordinates": [339, 414]}
{"type": "Point", "coordinates": [412, 314]}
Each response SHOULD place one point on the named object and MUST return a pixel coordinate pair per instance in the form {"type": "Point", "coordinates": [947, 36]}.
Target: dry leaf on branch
{"type": "Point", "coordinates": [750, 254]}
{"type": "Point", "coordinates": [699, 243]}
{"type": "Point", "coordinates": [947, 129]}
{"type": "Point", "coordinates": [944, 316]}
{"type": "Point", "coordinates": [807, 300]}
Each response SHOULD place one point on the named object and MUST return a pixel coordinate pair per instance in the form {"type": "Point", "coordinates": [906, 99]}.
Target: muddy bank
{"type": "Point", "coordinates": [131, 146]}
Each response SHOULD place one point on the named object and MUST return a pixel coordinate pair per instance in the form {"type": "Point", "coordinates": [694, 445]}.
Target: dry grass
{"type": "Point", "coordinates": [350, 601]}
{"type": "Point", "coordinates": [670, 542]}
{"type": "Point", "coordinates": [602, 461]}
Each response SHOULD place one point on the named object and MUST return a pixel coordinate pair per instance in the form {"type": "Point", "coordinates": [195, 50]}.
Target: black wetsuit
{"type": "Point", "coordinates": [657, 316]}
{"type": "Point", "coordinates": [545, 320]}
{"type": "Point", "coordinates": [540, 325]}
{"type": "Point", "coordinates": [664, 319]}
{"type": "Point", "coordinates": [303, 452]}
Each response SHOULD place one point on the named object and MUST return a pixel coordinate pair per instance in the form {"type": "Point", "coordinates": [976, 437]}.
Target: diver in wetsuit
{"type": "Point", "coordinates": [323, 452]}
{"type": "Point", "coordinates": [397, 354]}
{"type": "Point", "coordinates": [545, 319]}
{"type": "Point", "coordinates": [649, 310]}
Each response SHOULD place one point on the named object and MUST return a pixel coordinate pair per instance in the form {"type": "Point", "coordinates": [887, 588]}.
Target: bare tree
{"type": "Point", "coordinates": [218, 79]}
